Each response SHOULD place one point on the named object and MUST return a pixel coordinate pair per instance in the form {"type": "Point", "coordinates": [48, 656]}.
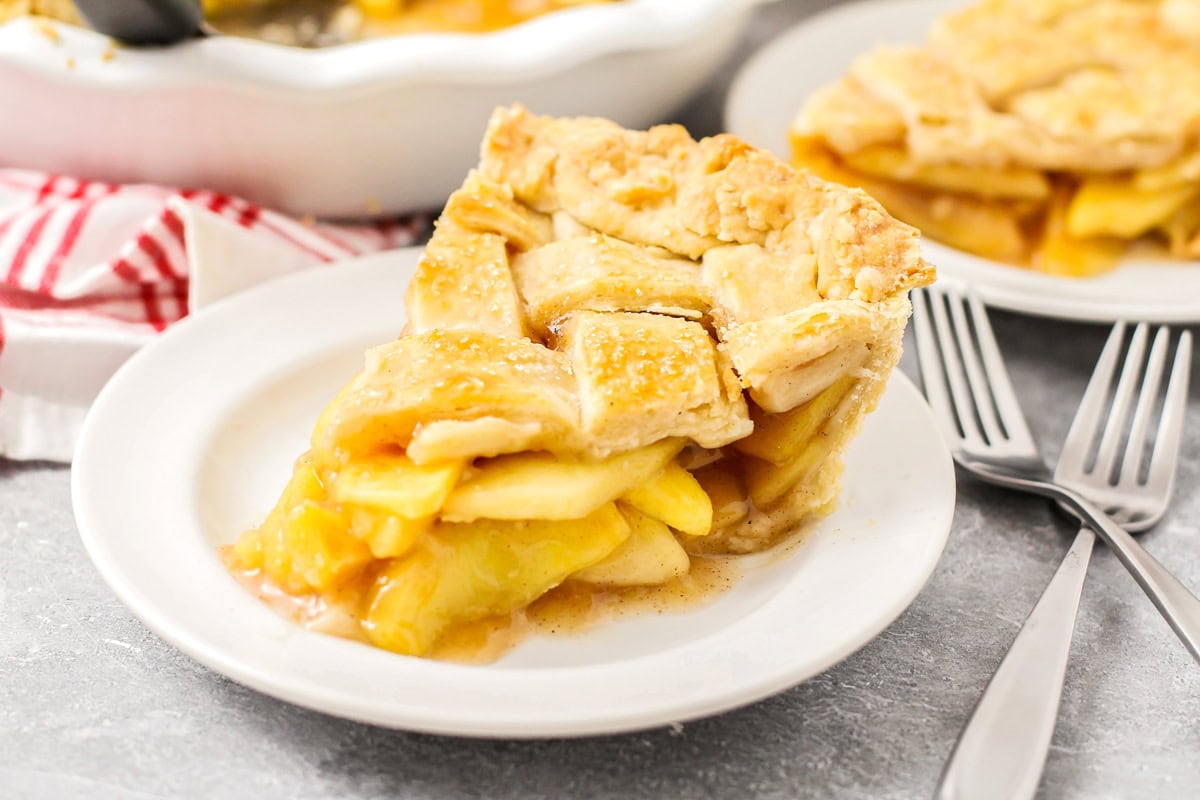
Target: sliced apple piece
{"type": "Point", "coordinates": [463, 572]}
{"type": "Point", "coordinates": [675, 498]}
{"type": "Point", "coordinates": [1061, 253]}
{"type": "Point", "coordinates": [893, 162]}
{"type": "Point", "coordinates": [543, 486]}
{"type": "Point", "coordinates": [324, 553]}
{"type": "Point", "coordinates": [265, 543]}
{"type": "Point", "coordinates": [311, 550]}
{"type": "Point", "coordinates": [989, 228]}
{"type": "Point", "coordinates": [649, 557]}
{"type": "Point", "coordinates": [1113, 207]}
{"type": "Point", "coordinates": [722, 482]}
{"type": "Point", "coordinates": [779, 438]}
{"type": "Point", "coordinates": [768, 482]}
{"type": "Point", "coordinates": [393, 483]}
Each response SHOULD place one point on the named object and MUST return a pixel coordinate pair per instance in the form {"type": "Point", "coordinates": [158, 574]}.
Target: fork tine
{"type": "Point", "coordinates": [1131, 462]}
{"type": "Point", "coordinates": [1170, 431]}
{"type": "Point", "coordinates": [1007, 404]}
{"type": "Point", "coordinates": [1079, 435]}
{"type": "Point", "coordinates": [965, 402]}
{"type": "Point", "coordinates": [976, 375]}
{"type": "Point", "coordinates": [929, 358]}
{"type": "Point", "coordinates": [1122, 403]}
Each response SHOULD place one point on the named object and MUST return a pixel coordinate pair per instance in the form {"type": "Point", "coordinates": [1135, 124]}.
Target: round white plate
{"type": "Point", "coordinates": [771, 88]}
{"type": "Point", "coordinates": [191, 441]}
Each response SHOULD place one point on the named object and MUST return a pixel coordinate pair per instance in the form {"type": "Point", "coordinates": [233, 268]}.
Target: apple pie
{"type": "Point", "coordinates": [1052, 134]}
{"type": "Point", "coordinates": [623, 350]}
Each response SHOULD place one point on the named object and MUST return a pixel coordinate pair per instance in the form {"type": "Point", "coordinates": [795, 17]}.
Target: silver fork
{"type": "Point", "coordinates": [1003, 747]}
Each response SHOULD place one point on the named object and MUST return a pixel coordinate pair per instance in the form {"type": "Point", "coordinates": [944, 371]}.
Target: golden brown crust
{"type": "Point", "coordinates": [460, 375]}
{"type": "Point", "coordinates": [464, 283]}
{"type": "Point", "coordinates": [660, 188]}
{"type": "Point", "coordinates": [1075, 85]}
{"type": "Point", "coordinates": [645, 377]}
{"type": "Point", "coordinates": [592, 290]}
{"type": "Point", "coordinates": [600, 273]}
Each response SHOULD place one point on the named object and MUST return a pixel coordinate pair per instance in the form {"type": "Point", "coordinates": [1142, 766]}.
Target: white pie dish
{"type": "Point", "coordinates": [205, 422]}
{"type": "Point", "coordinates": [772, 86]}
{"type": "Point", "coordinates": [378, 126]}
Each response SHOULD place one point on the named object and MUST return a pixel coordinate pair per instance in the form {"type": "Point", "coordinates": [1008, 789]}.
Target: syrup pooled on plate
{"type": "Point", "coordinates": [572, 608]}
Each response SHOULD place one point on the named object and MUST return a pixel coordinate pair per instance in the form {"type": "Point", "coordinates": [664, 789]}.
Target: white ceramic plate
{"type": "Point", "coordinates": [191, 441]}
{"type": "Point", "coordinates": [772, 86]}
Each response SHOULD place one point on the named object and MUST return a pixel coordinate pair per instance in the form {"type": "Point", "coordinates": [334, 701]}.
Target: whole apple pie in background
{"type": "Point", "coordinates": [623, 350]}
{"type": "Point", "coordinates": [1047, 133]}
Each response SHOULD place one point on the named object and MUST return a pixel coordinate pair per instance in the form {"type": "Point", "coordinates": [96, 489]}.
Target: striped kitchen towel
{"type": "Point", "coordinates": [90, 272]}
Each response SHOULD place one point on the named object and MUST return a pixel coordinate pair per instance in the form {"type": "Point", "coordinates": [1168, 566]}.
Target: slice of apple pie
{"type": "Point", "coordinates": [622, 348]}
{"type": "Point", "coordinates": [1048, 133]}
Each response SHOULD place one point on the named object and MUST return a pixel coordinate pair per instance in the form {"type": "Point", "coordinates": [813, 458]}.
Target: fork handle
{"type": "Point", "coordinates": [1001, 751]}
{"type": "Point", "coordinates": [1173, 600]}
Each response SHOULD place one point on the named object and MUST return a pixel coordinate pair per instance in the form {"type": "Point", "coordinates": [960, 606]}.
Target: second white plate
{"type": "Point", "coordinates": [192, 440]}
{"type": "Point", "coordinates": [772, 86]}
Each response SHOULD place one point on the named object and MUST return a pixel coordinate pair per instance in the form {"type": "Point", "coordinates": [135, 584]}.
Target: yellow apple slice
{"type": "Point", "coordinates": [768, 482]}
{"type": "Point", "coordinates": [462, 572]}
{"type": "Point", "coordinates": [393, 483]}
{"type": "Point", "coordinates": [1113, 207]}
{"type": "Point", "coordinates": [675, 498]}
{"type": "Point", "coordinates": [779, 438]}
{"type": "Point", "coordinates": [726, 491]}
{"type": "Point", "coordinates": [1060, 253]}
{"type": "Point", "coordinates": [892, 162]}
{"type": "Point", "coordinates": [649, 557]}
{"type": "Point", "coordinates": [543, 486]}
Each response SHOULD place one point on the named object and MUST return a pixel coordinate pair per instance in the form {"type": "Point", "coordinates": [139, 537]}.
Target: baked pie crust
{"type": "Point", "coordinates": [1048, 133]}
{"type": "Point", "coordinates": [624, 349]}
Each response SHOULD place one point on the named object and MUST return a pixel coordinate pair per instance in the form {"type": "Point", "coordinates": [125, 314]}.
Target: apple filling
{"type": "Point", "coordinates": [407, 551]}
{"type": "Point", "coordinates": [1055, 223]}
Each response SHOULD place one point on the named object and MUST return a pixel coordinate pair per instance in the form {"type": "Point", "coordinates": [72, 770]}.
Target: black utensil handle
{"type": "Point", "coordinates": [143, 22]}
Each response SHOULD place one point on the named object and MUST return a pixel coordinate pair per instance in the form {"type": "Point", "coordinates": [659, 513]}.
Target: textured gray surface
{"type": "Point", "coordinates": [93, 705]}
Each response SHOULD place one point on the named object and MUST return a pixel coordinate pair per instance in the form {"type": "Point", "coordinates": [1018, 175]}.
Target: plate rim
{"type": "Point", "coordinates": [1001, 286]}
{"type": "Point", "coordinates": [294, 690]}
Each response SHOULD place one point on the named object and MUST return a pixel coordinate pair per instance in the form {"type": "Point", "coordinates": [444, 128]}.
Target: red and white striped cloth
{"type": "Point", "coordinates": [90, 272]}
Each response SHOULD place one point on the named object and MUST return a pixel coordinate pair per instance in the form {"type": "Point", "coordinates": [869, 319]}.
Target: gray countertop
{"type": "Point", "coordinates": [93, 705]}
